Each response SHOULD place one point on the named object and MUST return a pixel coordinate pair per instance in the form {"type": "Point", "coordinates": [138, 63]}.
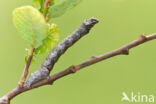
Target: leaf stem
{"type": "Point", "coordinates": [46, 5]}
{"type": "Point", "coordinates": [26, 70]}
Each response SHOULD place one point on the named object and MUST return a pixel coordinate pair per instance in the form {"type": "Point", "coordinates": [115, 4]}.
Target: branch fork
{"type": "Point", "coordinates": [41, 76]}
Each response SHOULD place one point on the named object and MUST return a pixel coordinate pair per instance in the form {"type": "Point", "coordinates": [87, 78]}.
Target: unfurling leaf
{"type": "Point", "coordinates": [61, 6]}
{"type": "Point", "coordinates": [50, 41]}
{"type": "Point", "coordinates": [30, 24]}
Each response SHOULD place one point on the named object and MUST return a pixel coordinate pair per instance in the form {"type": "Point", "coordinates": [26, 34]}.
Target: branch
{"type": "Point", "coordinates": [48, 64]}
{"type": "Point", "coordinates": [43, 72]}
{"type": "Point", "coordinates": [74, 68]}
{"type": "Point", "coordinates": [94, 59]}
{"type": "Point", "coordinates": [26, 70]}
{"type": "Point", "coordinates": [46, 5]}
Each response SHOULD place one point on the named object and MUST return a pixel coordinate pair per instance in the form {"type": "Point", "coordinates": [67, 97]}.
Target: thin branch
{"type": "Point", "coordinates": [43, 72]}
{"type": "Point", "coordinates": [26, 70]}
{"type": "Point", "coordinates": [94, 59]}
{"type": "Point", "coordinates": [74, 68]}
{"type": "Point", "coordinates": [46, 6]}
{"type": "Point", "coordinates": [54, 55]}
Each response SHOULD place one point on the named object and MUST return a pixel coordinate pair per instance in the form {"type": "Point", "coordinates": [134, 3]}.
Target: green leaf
{"type": "Point", "coordinates": [30, 24]}
{"type": "Point", "coordinates": [52, 2]}
{"type": "Point", "coordinates": [50, 41]}
{"type": "Point", "coordinates": [61, 6]}
{"type": "Point", "coordinates": [39, 4]}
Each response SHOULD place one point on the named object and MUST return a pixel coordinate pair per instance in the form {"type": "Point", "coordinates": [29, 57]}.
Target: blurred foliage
{"type": "Point", "coordinates": [61, 6]}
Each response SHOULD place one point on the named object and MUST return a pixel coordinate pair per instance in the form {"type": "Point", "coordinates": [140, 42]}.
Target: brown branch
{"type": "Point", "coordinates": [94, 59]}
{"type": "Point", "coordinates": [43, 72]}
{"type": "Point", "coordinates": [59, 50]}
{"type": "Point", "coordinates": [26, 69]}
{"type": "Point", "coordinates": [46, 5]}
{"type": "Point", "coordinates": [72, 69]}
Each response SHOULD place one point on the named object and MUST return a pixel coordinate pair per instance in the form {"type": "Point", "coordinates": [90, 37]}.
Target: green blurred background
{"type": "Point", "coordinates": [121, 21]}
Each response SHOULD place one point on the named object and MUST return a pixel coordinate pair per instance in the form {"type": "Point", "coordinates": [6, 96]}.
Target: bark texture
{"type": "Point", "coordinates": [48, 64]}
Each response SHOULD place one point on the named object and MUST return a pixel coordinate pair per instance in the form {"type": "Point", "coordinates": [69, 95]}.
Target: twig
{"type": "Point", "coordinates": [94, 59]}
{"type": "Point", "coordinates": [26, 70]}
{"type": "Point", "coordinates": [43, 72]}
{"type": "Point", "coordinates": [47, 66]}
{"type": "Point", "coordinates": [72, 69]}
{"type": "Point", "coordinates": [46, 5]}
